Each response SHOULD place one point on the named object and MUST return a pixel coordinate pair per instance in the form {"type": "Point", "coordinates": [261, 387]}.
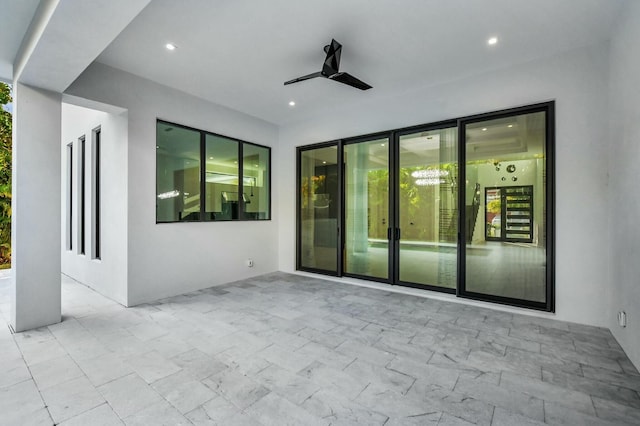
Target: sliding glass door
{"type": "Point", "coordinates": [367, 218]}
{"type": "Point", "coordinates": [463, 206]}
{"type": "Point", "coordinates": [427, 203]}
{"type": "Point", "coordinates": [319, 209]}
{"type": "Point", "coordinates": [506, 250]}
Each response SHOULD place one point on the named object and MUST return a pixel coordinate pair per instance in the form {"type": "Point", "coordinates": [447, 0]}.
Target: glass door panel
{"type": "Point", "coordinates": [319, 209]}
{"type": "Point", "coordinates": [367, 221]}
{"type": "Point", "coordinates": [427, 202]}
{"type": "Point", "coordinates": [506, 236]}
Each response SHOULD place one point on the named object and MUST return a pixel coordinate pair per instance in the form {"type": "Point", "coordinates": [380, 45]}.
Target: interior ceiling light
{"type": "Point", "coordinates": [484, 129]}
{"type": "Point", "coordinates": [292, 103]}
{"type": "Point", "coordinates": [492, 41]}
{"type": "Point", "coordinates": [510, 125]}
{"type": "Point", "coordinates": [170, 46]}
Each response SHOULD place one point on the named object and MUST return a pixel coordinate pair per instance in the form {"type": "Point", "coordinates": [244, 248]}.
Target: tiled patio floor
{"type": "Point", "coordinates": [283, 349]}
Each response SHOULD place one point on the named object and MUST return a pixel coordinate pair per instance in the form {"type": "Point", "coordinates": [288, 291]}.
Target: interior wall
{"type": "Point", "coordinates": [577, 80]}
{"type": "Point", "coordinates": [108, 275]}
{"type": "Point", "coordinates": [174, 258]}
{"type": "Point", "coordinates": [623, 209]}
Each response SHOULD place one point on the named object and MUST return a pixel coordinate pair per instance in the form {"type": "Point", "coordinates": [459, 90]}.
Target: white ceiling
{"type": "Point", "coordinates": [14, 21]}
{"type": "Point", "coordinates": [238, 53]}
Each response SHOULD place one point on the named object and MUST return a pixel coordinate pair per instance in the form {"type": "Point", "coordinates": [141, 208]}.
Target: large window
{"type": "Point", "coordinates": [233, 175]}
{"type": "Point", "coordinates": [463, 206]}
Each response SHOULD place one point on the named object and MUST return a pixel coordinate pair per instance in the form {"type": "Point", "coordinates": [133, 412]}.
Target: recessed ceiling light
{"type": "Point", "coordinates": [170, 46]}
{"type": "Point", "coordinates": [324, 162]}
{"type": "Point", "coordinates": [492, 41]}
{"type": "Point", "coordinates": [484, 129]}
{"type": "Point", "coordinates": [510, 125]}
{"type": "Point", "coordinates": [292, 103]}
{"type": "Point", "coordinates": [381, 144]}
{"type": "Point", "coordinates": [210, 158]}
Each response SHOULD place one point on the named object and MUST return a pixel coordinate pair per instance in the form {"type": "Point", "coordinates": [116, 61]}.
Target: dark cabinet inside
{"type": "Point", "coordinates": [509, 214]}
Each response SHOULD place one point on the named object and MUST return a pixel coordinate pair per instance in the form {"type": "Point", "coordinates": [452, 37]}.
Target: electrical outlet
{"type": "Point", "coordinates": [250, 263]}
{"type": "Point", "coordinates": [622, 318]}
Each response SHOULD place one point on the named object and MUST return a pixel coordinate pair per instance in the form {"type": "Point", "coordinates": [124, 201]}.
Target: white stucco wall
{"type": "Point", "coordinates": [577, 81]}
{"type": "Point", "coordinates": [35, 204]}
{"type": "Point", "coordinates": [623, 208]}
{"type": "Point", "coordinates": [108, 275]}
{"type": "Point", "coordinates": [170, 259]}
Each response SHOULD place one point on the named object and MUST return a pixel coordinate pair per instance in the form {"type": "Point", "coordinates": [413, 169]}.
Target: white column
{"type": "Point", "coordinates": [36, 212]}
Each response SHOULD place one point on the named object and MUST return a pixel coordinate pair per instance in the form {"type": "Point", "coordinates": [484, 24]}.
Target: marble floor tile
{"type": "Point", "coordinates": [159, 414]}
{"type": "Point", "coordinates": [15, 375]}
{"type": "Point", "coordinates": [152, 366]}
{"type": "Point", "coordinates": [274, 410]}
{"type": "Point", "coordinates": [236, 388]}
{"type": "Point", "coordinates": [20, 402]}
{"type": "Point", "coordinates": [183, 391]}
{"type": "Point", "coordinates": [68, 399]}
{"type": "Point", "coordinates": [341, 411]}
{"type": "Point", "coordinates": [129, 395]}
{"type": "Point", "coordinates": [578, 401]}
{"type": "Point", "coordinates": [509, 399]}
{"type": "Point", "coordinates": [289, 349]}
{"type": "Point", "coordinates": [55, 371]}
{"type": "Point", "coordinates": [611, 410]}
{"type": "Point", "coordinates": [502, 417]}
{"type": "Point", "coordinates": [214, 412]}
{"type": "Point", "coordinates": [291, 386]}
{"type": "Point", "coordinates": [105, 368]}
{"type": "Point", "coordinates": [101, 415]}
{"type": "Point", "coordinates": [557, 414]}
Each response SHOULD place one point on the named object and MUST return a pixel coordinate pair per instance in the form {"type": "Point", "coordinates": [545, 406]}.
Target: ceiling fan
{"type": "Point", "coordinates": [330, 69]}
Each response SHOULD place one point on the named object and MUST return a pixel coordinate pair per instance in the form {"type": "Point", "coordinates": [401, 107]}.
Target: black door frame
{"type": "Point", "coordinates": [391, 222]}
{"type": "Point", "coordinates": [394, 235]}
{"type": "Point", "coordinates": [549, 109]}
{"type": "Point", "coordinates": [396, 201]}
{"type": "Point", "coordinates": [339, 238]}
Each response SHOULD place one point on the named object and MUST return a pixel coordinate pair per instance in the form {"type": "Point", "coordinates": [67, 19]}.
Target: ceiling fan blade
{"type": "Point", "coordinates": [350, 80]}
{"type": "Point", "coordinates": [332, 61]}
{"type": "Point", "coordinates": [304, 77]}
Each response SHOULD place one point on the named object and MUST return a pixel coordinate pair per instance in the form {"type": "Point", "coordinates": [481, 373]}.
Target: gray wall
{"type": "Point", "coordinates": [577, 80]}
{"type": "Point", "coordinates": [170, 259]}
{"type": "Point", "coordinates": [623, 193]}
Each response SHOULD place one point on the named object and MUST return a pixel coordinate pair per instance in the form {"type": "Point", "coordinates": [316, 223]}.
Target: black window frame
{"type": "Point", "coordinates": [394, 135]}
{"type": "Point", "coordinates": [241, 211]}
{"type": "Point", "coordinates": [82, 219]}
{"type": "Point", "coordinates": [96, 219]}
{"type": "Point", "coordinates": [70, 170]}
{"type": "Point", "coordinates": [549, 109]}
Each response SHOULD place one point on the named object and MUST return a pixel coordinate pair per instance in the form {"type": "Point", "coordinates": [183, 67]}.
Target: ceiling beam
{"type": "Point", "coordinates": [65, 37]}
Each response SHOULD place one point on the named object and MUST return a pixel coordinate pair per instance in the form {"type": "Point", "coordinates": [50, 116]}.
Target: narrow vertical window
{"type": "Point", "coordinates": [256, 184]}
{"type": "Point", "coordinates": [223, 198]}
{"type": "Point", "coordinates": [70, 196]}
{"type": "Point", "coordinates": [95, 219]}
{"type": "Point", "coordinates": [81, 196]}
